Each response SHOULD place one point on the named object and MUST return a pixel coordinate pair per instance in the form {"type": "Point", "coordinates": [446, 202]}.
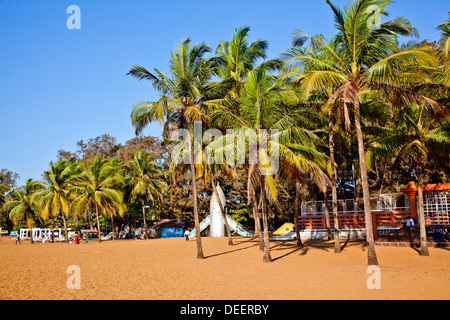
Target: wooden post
{"type": "Point", "coordinates": [411, 192]}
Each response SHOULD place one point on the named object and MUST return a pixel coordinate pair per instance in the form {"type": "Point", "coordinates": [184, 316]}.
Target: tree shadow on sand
{"type": "Point", "coordinates": [312, 244]}
{"type": "Point", "coordinates": [235, 250]}
{"type": "Point", "coordinates": [289, 247]}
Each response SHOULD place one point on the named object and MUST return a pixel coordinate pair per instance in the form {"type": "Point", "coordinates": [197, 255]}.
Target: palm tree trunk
{"type": "Point", "coordinates": [230, 240]}
{"type": "Point", "coordinates": [266, 256]}
{"type": "Point", "coordinates": [371, 253]}
{"type": "Point", "coordinates": [297, 200]}
{"type": "Point", "coordinates": [257, 222]}
{"type": "Point", "coordinates": [327, 213]}
{"type": "Point", "coordinates": [30, 226]}
{"type": "Point", "coordinates": [145, 220]}
{"type": "Point", "coordinates": [337, 246]}
{"type": "Point", "coordinates": [91, 224]}
{"type": "Point", "coordinates": [98, 225]}
{"type": "Point", "coordinates": [194, 196]}
{"type": "Point", "coordinates": [423, 233]}
{"type": "Point", "coordinates": [65, 228]}
{"type": "Point", "coordinates": [112, 227]}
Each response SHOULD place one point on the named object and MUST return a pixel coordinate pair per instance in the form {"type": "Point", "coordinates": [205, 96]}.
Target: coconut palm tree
{"type": "Point", "coordinates": [187, 95]}
{"type": "Point", "coordinates": [444, 28]}
{"type": "Point", "coordinates": [416, 135]}
{"type": "Point", "coordinates": [235, 58]}
{"type": "Point", "coordinates": [55, 197]}
{"type": "Point", "coordinates": [146, 183]}
{"type": "Point", "coordinates": [98, 185]}
{"type": "Point", "coordinates": [21, 206]}
{"type": "Point", "coordinates": [264, 119]}
{"type": "Point", "coordinates": [363, 56]}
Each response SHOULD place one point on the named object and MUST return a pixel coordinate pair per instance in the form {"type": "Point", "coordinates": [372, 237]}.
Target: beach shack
{"type": "Point", "coordinates": [170, 228]}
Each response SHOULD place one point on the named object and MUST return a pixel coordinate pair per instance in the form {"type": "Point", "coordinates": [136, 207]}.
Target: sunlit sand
{"type": "Point", "coordinates": [168, 269]}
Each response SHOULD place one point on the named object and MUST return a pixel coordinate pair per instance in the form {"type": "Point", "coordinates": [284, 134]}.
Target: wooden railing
{"type": "Point", "coordinates": [356, 220]}
{"type": "Point", "coordinates": [437, 218]}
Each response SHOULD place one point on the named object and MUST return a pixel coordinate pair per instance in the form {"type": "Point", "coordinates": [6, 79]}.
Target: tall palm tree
{"type": "Point", "coordinates": [21, 206]}
{"type": "Point", "coordinates": [186, 96]}
{"type": "Point", "coordinates": [416, 135]}
{"type": "Point", "coordinates": [145, 179]}
{"type": "Point", "coordinates": [263, 118]}
{"type": "Point", "coordinates": [235, 58]}
{"type": "Point", "coordinates": [444, 28]}
{"type": "Point", "coordinates": [56, 195]}
{"type": "Point", "coordinates": [362, 57]}
{"type": "Point", "coordinates": [98, 185]}
{"type": "Point", "coordinates": [333, 180]}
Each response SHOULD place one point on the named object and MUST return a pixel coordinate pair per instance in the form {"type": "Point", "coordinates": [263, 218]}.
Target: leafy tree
{"type": "Point", "coordinates": [264, 118]}
{"type": "Point", "coordinates": [21, 206]}
{"type": "Point", "coordinates": [361, 58]}
{"type": "Point", "coordinates": [146, 183]}
{"type": "Point", "coordinates": [417, 133]}
{"type": "Point", "coordinates": [99, 185]}
{"type": "Point", "coordinates": [187, 95]}
{"type": "Point", "coordinates": [55, 197]}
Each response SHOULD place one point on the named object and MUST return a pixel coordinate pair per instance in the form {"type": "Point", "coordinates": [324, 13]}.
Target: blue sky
{"type": "Point", "coordinates": [58, 86]}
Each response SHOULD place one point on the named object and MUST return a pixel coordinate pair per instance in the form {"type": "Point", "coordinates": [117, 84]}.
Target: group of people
{"type": "Point", "coordinates": [77, 239]}
{"type": "Point", "coordinates": [410, 222]}
{"type": "Point", "coordinates": [439, 234]}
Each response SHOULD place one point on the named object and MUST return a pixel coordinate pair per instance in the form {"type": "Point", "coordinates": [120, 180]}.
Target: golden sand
{"type": "Point", "coordinates": [168, 269]}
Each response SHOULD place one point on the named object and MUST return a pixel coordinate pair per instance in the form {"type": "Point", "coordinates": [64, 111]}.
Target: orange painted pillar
{"type": "Point", "coordinates": [411, 192]}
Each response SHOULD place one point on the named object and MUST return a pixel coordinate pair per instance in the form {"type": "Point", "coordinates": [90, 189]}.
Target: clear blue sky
{"type": "Point", "coordinates": [58, 86]}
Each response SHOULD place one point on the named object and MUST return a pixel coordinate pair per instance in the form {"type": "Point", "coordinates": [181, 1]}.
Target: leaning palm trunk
{"type": "Point", "coordinates": [230, 240]}
{"type": "Point", "coordinates": [337, 246]}
{"type": "Point", "coordinates": [257, 219]}
{"type": "Point", "coordinates": [112, 227]}
{"type": "Point", "coordinates": [266, 256]}
{"type": "Point", "coordinates": [65, 228]}
{"type": "Point", "coordinates": [297, 229]}
{"type": "Point", "coordinates": [423, 233]}
{"type": "Point", "coordinates": [98, 224]}
{"type": "Point", "coordinates": [145, 220]}
{"type": "Point", "coordinates": [371, 253]}
{"type": "Point", "coordinates": [91, 223]}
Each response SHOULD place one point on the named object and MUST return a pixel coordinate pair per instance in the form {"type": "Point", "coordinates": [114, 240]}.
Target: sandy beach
{"type": "Point", "coordinates": [167, 269]}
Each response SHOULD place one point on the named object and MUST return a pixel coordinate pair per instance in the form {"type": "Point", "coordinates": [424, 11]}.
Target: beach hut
{"type": "Point", "coordinates": [170, 228]}
{"type": "Point", "coordinates": [171, 232]}
{"type": "Point", "coordinates": [287, 227]}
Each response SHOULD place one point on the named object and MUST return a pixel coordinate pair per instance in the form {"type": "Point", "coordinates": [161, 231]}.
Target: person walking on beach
{"type": "Point", "coordinates": [186, 234]}
{"type": "Point", "coordinates": [18, 239]}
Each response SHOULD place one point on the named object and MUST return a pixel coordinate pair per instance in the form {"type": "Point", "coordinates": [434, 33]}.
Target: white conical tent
{"type": "Point", "coordinates": [215, 219]}
{"type": "Point", "coordinates": [217, 223]}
